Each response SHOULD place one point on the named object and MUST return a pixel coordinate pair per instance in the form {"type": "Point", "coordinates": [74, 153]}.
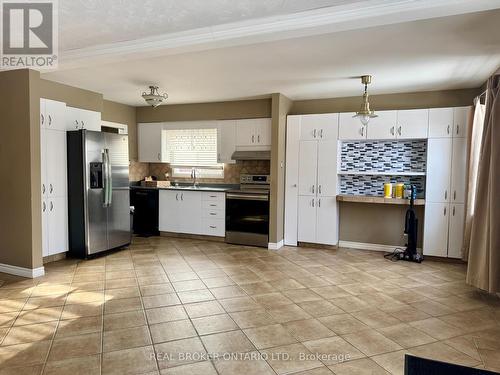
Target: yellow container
{"type": "Point", "coordinates": [387, 190]}
{"type": "Point", "coordinates": [399, 190]}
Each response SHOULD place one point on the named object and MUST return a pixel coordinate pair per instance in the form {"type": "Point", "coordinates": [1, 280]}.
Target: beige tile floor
{"type": "Point", "coordinates": [162, 305]}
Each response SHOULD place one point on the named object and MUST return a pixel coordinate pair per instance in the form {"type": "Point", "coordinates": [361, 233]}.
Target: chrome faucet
{"type": "Point", "coordinates": [193, 176]}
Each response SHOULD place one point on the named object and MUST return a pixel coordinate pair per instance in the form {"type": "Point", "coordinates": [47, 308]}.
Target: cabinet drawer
{"type": "Point", "coordinates": [214, 214]}
{"type": "Point", "coordinates": [214, 227]}
{"type": "Point", "coordinates": [211, 196]}
{"type": "Point", "coordinates": [213, 205]}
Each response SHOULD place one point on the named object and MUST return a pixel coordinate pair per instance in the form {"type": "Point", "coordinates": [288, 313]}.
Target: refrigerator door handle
{"type": "Point", "coordinates": [107, 177]}
{"type": "Point", "coordinates": [110, 179]}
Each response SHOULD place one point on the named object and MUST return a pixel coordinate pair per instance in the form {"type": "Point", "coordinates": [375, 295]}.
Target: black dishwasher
{"type": "Point", "coordinates": [145, 202]}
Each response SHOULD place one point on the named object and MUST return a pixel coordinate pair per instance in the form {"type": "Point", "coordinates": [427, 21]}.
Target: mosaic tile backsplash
{"type": "Point", "coordinates": [374, 185]}
{"type": "Point", "coordinates": [384, 156]}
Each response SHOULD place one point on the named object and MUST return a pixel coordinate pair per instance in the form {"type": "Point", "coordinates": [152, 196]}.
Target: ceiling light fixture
{"type": "Point", "coordinates": [154, 98]}
{"type": "Point", "coordinates": [365, 114]}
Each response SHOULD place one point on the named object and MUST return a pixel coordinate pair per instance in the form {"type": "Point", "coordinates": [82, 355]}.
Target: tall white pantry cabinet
{"type": "Point", "coordinates": [446, 182]}
{"type": "Point", "coordinates": [311, 213]}
{"type": "Point", "coordinates": [53, 172]}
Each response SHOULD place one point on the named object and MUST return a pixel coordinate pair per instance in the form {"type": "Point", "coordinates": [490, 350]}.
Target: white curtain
{"type": "Point", "coordinates": [474, 153]}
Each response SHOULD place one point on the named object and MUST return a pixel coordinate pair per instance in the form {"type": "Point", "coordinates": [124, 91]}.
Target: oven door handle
{"type": "Point", "coordinates": [247, 197]}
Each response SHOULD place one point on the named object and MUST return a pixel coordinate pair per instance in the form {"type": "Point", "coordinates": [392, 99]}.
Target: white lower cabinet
{"type": "Point", "coordinates": [456, 231]}
{"type": "Point", "coordinates": [436, 229]}
{"type": "Point", "coordinates": [192, 212]}
{"type": "Point", "coordinates": [57, 215]}
{"type": "Point", "coordinates": [327, 220]}
{"type": "Point", "coordinates": [306, 231]}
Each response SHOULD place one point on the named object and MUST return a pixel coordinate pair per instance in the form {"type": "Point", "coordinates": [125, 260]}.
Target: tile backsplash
{"type": "Point", "coordinates": [137, 171]}
{"type": "Point", "coordinates": [231, 171]}
{"type": "Point", "coordinates": [374, 185]}
{"type": "Point", "coordinates": [384, 156]}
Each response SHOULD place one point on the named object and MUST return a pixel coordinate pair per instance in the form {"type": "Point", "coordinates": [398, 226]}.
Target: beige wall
{"type": "Point", "coordinates": [123, 114]}
{"type": "Point", "coordinates": [72, 96]}
{"type": "Point", "coordinates": [428, 99]}
{"type": "Point", "coordinates": [206, 111]}
{"type": "Point", "coordinates": [20, 201]}
{"type": "Point", "coordinates": [381, 224]}
{"type": "Point", "coordinates": [280, 107]}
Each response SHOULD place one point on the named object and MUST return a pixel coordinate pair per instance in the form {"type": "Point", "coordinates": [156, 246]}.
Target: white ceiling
{"type": "Point", "coordinates": [90, 22]}
{"type": "Point", "coordinates": [457, 51]}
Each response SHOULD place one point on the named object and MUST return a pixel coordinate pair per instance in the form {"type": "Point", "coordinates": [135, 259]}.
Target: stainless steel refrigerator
{"type": "Point", "coordinates": [99, 196]}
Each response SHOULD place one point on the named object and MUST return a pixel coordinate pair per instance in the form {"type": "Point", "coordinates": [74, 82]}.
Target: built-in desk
{"type": "Point", "coordinates": [377, 200]}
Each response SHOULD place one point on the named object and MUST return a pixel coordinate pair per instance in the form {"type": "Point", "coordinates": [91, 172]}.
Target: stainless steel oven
{"type": "Point", "coordinates": [247, 212]}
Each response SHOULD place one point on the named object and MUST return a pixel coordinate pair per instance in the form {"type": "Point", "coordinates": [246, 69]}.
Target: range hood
{"type": "Point", "coordinates": [251, 155]}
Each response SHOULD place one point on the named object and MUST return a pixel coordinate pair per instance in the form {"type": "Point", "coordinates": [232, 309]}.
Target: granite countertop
{"type": "Point", "coordinates": [199, 187]}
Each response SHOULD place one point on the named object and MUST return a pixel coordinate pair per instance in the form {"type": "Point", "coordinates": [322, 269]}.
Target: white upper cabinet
{"type": "Point", "coordinates": [55, 182]}
{"type": "Point", "coordinates": [460, 121]}
{"type": "Point", "coordinates": [327, 170]}
{"type": "Point", "coordinates": [440, 122]}
{"type": "Point", "coordinates": [319, 127]}
{"type": "Point", "coordinates": [77, 119]}
{"type": "Point", "coordinates": [458, 170]}
{"type": "Point", "coordinates": [52, 114]}
{"type": "Point", "coordinates": [351, 128]}
{"type": "Point", "coordinates": [439, 154]}
{"type": "Point", "coordinates": [253, 134]}
{"type": "Point", "coordinates": [413, 123]}
{"type": "Point", "coordinates": [308, 165]}
{"type": "Point", "coordinates": [226, 140]}
{"type": "Point", "coordinates": [383, 126]}
{"type": "Point", "coordinates": [151, 143]}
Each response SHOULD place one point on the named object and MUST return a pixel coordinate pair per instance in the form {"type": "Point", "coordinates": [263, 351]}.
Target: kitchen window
{"type": "Point", "coordinates": [189, 149]}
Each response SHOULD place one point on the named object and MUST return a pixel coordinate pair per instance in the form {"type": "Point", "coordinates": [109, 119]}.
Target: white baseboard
{"type": "Point", "coordinates": [369, 246]}
{"type": "Point", "coordinates": [21, 271]}
{"type": "Point", "coordinates": [275, 245]}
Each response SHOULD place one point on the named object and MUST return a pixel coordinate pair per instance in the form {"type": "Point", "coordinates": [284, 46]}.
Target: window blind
{"type": "Point", "coordinates": [192, 147]}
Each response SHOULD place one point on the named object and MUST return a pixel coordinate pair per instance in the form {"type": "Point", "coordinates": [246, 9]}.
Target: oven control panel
{"type": "Point", "coordinates": [255, 179]}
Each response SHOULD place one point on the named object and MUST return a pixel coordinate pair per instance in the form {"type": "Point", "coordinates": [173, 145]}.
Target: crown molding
{"type": "Point", "coordinates": [368, 13]}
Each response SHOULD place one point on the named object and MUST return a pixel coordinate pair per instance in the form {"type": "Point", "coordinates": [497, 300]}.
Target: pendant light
{"type": "Point", "coordinates": [154, 98]}
{"type": "Point", "coordinates": [365, 114]}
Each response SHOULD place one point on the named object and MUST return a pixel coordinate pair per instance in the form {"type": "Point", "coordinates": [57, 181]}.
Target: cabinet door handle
{"type": "Point", "coordinates": [392, 130]}
{"type": "Point", "coordinates": [453, 210]}
{"type": "Point", "coordinates": [44, 207]}
{"type": "Point", "coordinates": [319, 189]}
{"type": "Point", "coordinates": [454, 195]}
{"type": "Point", "coordinates": [253, 138]}
{"type": "Point", "coordinates": [177, 196]}
{"type": "Point", "coordinates": [76, 124]}
{"type": "Point", "coordinates": [258, 138]}
{"type": "Point", "coordinates": [314, 133]}
{"type": "Point", "coordinates": [294, 185]}
{"type": "Point", "coordinates": [51, 188]}
{"type": "Point", "coordinates": [446, 194]}
{"type": "Point", "coordinates": [312, 189]}
{"type": "Point", "coordinates": [43, 188]}
{"type": "Point", "coordinates": [448, 129]}
{"type": "Point", "coordinates": [51, 205]}
{"type": "Point", "coordinates": [400, 130]}
{"type": "Point", "coordinates": [312, 202]}
{"type": "Point", "coordinates": [444, 212]}
{"type": "Point", "coordinates": [362, 131]}
{"type": "Point", "coordinates": [213, 205]}
{"type": "Point", "coordinates": [159, 156]}
{"type": "Point", "coordinates": [182, 196]}
{"type": "Point", "coordinates": [50, 120]}
{"type": "Point", "coordinates": [42, 118]}
{"type": "Point", "coordinates": [319, 202]}
{"type": "Point", "coordinates": [458, 128]}
{"type": "Point", "coordinates": [321, 133]}
{"type": "Point", "coordinates": [213, 227]}
{"type": "Point", "coordinates": [213, 214]}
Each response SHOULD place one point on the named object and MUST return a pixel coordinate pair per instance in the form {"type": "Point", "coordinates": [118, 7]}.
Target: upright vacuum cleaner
{"type": "Point", "coordinates": [410, 254]}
